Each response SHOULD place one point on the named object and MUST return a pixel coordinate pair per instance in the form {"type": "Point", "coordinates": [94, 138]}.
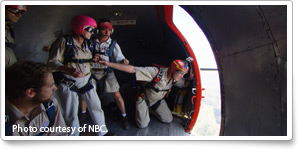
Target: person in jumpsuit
{"type": "Point", "coordinates": [152, 99]}
{"type": "Point", "coordinates": [12, 15]}
{"type": "Point", "coordinates": [76, 74]}
{"type": "Point", "coordinates": [100, 72]}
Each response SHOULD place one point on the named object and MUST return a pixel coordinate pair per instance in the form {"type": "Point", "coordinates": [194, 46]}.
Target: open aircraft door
{"type": "Point", "coordinates": [193, 94]}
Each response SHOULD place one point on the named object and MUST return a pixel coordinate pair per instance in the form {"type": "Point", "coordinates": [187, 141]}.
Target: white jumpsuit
{"type": "Point", "coordinates": [69, 100]}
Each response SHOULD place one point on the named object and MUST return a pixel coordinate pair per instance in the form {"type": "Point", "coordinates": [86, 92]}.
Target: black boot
{"type": "Point", "coordinates": [125, 123]}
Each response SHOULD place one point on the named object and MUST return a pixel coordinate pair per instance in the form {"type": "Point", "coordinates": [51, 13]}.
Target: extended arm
{"type": "Point", "coordinates": [118, 66]}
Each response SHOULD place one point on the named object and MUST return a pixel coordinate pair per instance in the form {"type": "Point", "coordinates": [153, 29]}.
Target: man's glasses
{"type": "Point", "coordinates": [16, 12]}
{"type": "Point", "coordinates": [89, 29]}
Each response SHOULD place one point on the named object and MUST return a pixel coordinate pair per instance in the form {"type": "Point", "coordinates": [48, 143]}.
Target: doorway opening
{"type": "Point", "coordinates": [209, 118]}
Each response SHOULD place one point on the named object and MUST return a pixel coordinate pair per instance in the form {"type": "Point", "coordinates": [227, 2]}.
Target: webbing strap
{"type": "Point", "coordinates": [69, 51]}
{"type": "Point", "coordinates": [111, 51]}
{"type": "Point", "coordinates": [156, 79]}
{"type": "Point", "coordinates": [80, 61]}
{"type": "Point", "coordinates": [50, 111]}
{"type": "Point", "coordinates": [156, 105]}
{"type": "Point", "coordinates": [70, 83]}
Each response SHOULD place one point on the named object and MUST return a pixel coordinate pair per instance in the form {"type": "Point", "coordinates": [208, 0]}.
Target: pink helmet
{"type": "Point", "coordinates": [179, 65]}
{"type": "Point", "coordinates": [19, 7]}
{"type": "Point", "coordinates": [79, 22]}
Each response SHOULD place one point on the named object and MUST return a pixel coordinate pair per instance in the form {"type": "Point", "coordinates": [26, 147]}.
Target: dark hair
{"type": "Point", "coordinates": [23, 75]}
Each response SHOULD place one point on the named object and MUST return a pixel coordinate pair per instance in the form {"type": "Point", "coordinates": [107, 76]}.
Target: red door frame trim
{"type": "Point", "coordinates": [168, 15]}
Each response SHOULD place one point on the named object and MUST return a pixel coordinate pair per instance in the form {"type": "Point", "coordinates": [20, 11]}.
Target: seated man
{"type": "Point", "coordinates": [29, 90]}
{"type": "Point", "coordinates": [153, 92]}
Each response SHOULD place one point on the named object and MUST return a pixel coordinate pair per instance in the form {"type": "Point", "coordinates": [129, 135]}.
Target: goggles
{"type": "Point", "coordinates": [16, 12]}
{"type": "Point", "coordinates": [89, 29]}
{"type": "Point", "coordinates": [180, 72]}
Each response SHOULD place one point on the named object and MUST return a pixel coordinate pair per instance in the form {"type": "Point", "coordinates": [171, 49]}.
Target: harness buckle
{"type": "Point", "coordinates": [68, 83]}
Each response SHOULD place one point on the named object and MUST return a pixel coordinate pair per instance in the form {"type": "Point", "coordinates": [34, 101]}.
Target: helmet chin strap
{"type": "Point", "coordinates": [172, 74]}
{"type": "Point", "coordinates": [172, 79]}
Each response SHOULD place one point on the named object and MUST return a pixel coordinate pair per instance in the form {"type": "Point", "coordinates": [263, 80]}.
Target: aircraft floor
{"type": "Point", "coordinates": [155, 128]}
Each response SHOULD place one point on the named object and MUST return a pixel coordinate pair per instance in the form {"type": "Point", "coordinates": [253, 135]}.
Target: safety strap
{"type": "Point", "coordinates": [154, 106]}
{"type": "Point", "coordinates": [155, 80]}
{"type": "Point", "coordinates": [110, 54]}
{"type": "Point", "coordinates": [70, 83]}
{"type": "Point", "coordinates": [86, 88]}
{"type": "Point", "coordinates": [69, 51]}
{"type": "Point", "coordinates": [110, 51]}
{"type": "Point", "coordinates": [142, 95]}
{"type": "Point", "coordinates": [50, 111]}
{"type": "Point", "coordinates": [108, 70]}
{"type": "Point", "coordinates": [80, 61]}
{"type": "Point", "coordinates": [150, 85]}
